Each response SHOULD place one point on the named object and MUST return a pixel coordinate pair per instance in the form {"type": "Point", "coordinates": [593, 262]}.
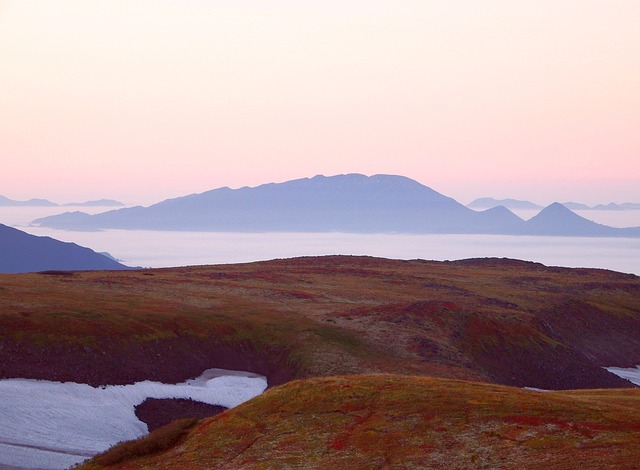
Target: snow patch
{"type": "Point", "coordinates": [632, 374]}
{"type": "Point", "coordinates": [53, 425]}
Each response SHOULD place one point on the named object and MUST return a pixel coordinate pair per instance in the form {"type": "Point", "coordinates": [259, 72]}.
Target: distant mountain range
{"type": "Point", "coordinates": [5, 201]}
{"type": "Point", "coordinates": [489, 203]}
{"type": "Point", "coordinates": [96, 203]}
{"type": "Point", "coordinates": [21, 252]}
{"type": "Point", "coordinates": [612, 206]}
{"type": "Point", "coordinates": [343, 203]}
{"type": "Point", "coordinates": [515, 204]}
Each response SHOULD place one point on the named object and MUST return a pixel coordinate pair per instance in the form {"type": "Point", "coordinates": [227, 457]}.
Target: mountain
{"type": "Point", "coordinates": [556, 219]}
{"type": "Point", "coordinates": [612, 206]}
{"type": "Point", "coordinates": [21, 252]}
{"type": "Point", "coordinates": [515, 204]}
{"type": "Point", "coordinates": [4, 201]}
{"type": "Point", "coordinates": [97, 203]}
{"type": "Point", "coordinates": [489, 202]}
{"type": "Point", "coordinates": [576, 206]}
{"type": "Point", "coordinates": [343, 203]}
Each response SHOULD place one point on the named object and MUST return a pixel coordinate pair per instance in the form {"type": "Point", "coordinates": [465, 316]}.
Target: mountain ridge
{"type": "Point", "coordinates": [7, 202]}
{"type": "Point", "coordinates": [21, 252]}
{"type": "Point", "coordinates": [342, 203]}
{"type": "Point", "coordinates": [517, 204]}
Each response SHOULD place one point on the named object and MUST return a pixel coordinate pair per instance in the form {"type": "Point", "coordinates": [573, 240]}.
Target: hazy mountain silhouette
{"type": "Point", "coordinates": [5, 201]}
{"type": "Point", "coordinates": [556, 219]}
{"type": "Point", "coordinates": [343, 203]}
{"type": "Point", "coordinates": [612, 206]}
{"type": "Point", "coordinates": [489, 202]}
{"type": "Point", "coordinates": [21, 252]}
{"type": "Point", "coordinates": [576, 206]}
{"type": "Point", "coordinates": [97, 203]}
{"type": "Point", "coordinates": [515, 204]}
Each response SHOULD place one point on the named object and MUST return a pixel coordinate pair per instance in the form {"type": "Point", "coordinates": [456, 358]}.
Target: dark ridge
{"type": "Point", "coordinates": [21, 252]}
{"type": "Point", "coordinates": [497, 262]}
{"type": "Point", "coordinates": [155, 412]}
{"type": "Point", "coordinates": [112, 362]}
{"type": "Point", "coordinates": [56, 273]}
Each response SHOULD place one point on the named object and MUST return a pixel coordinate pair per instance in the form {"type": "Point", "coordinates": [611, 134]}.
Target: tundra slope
{"type": "Point", "coordinates": [391, 421]}
{"type": "Point", "coordinates": [486, 320]}
{"type": "Point", "coordinates": [493, 320]}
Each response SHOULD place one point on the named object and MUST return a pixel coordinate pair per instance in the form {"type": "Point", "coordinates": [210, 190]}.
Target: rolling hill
{"type": "Point", "coordinates": [21, 252]}
{"type": "Point", "coordinates": [420, 331]}
{"type": "Point", "coordinates": [391, 421]}
{"type": "Point", "coordinates": [501, 321]}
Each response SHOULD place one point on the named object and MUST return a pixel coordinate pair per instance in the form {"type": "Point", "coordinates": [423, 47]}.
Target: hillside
{"type": "Point", "coordinates": [21, 252]}
{"type": "Point", "coordinates": [501, 321]}
{"type": "Point", "coordinates": [492, 321]}
{"type": "Point", "coordinates": [390, 421]}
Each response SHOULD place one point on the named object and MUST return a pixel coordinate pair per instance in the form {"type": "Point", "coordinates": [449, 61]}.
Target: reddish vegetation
{"type": "Point", "coordinates": [505, 321]}
{"type": "Point", "coordinates": [502, 321]}
{"type": "Point", "coordinates": [387, 421]}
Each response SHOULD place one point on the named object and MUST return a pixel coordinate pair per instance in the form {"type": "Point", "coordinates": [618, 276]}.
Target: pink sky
{"type": "Point", "coordinates": [144, 100]}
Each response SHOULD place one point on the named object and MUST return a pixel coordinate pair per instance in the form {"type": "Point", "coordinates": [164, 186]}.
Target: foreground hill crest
{"type": "Point", "coordinates": [391, 421]}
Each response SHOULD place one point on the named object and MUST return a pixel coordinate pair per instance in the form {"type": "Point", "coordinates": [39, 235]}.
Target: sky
{"type": "Point", "coordinates": [149, 99]}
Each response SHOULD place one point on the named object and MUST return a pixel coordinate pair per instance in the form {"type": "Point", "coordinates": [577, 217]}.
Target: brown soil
{"type": "Point", "coordinates": [171, 360]}
{"type": "Point", "coordinates": [156, 413]}
{"type": "Point", "coordinates": [168, 361]}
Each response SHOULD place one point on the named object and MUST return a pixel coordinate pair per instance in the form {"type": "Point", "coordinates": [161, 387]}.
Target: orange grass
{"type": "Point", "coordinates": [390, 421]}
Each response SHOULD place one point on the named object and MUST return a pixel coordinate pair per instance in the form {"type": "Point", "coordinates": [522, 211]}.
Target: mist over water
{"type": "Point", "coordinates": [154, 249]}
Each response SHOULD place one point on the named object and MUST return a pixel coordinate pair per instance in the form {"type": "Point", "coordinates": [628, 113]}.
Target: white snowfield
{"type": "Point", "coordinates": [632, 374]}
{"type": "Point", "coordinates": [54, 425]}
